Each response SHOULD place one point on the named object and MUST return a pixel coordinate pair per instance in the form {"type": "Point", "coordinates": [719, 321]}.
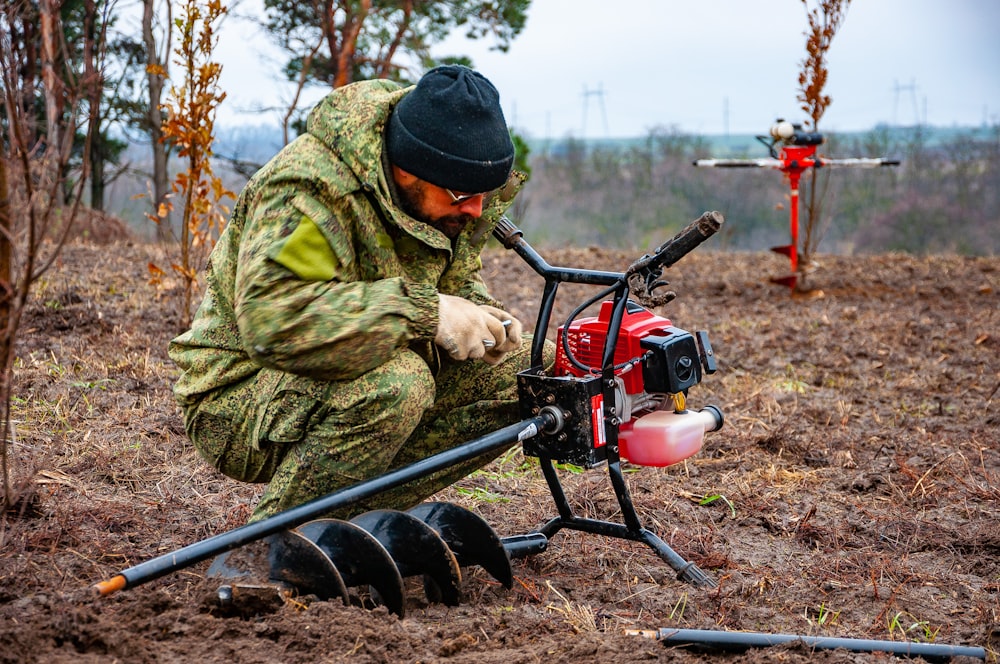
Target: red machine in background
{"type": "Point", "coordinates": [793, 150]}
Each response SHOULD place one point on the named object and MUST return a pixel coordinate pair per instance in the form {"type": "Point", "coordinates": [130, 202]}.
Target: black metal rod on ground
{"type": "Point", "coordinates": [204, 549]}
{"type": "Point", "coordinates": [739, 641]}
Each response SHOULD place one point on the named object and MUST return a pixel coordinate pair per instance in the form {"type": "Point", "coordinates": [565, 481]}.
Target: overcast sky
{"type": "Point", "coordinates": [702, 66]}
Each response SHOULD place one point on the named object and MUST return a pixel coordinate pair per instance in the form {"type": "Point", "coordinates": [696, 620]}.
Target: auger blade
{"type": "Point", "coordinates": [286, 561]}
{"type": "Point", "coordinates": [470, 538]}
{"type": "Point", "coordinates": [788, 280]}
{"type": "Point", "coordinates": [416, 549]}
{"type": "Point", "coordinates": [298, 562]}
{"type": "Point", "coordinates": [360, 558]}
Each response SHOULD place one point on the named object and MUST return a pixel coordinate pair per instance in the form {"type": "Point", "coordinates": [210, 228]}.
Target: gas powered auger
{"type": "Point", "coordinates": [618, 390]}
{"type": "Point", "coordinates": [793, 151]}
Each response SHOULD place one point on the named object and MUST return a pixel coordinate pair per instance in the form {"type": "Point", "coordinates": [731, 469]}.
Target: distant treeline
{"type": "Point", "coordinates": [944, 197]}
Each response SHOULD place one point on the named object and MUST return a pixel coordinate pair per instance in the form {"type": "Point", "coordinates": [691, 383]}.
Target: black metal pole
{"type": "Point", "coordinates": [739, 641]}
{"type": "Point", "coordinates": [204, 549]}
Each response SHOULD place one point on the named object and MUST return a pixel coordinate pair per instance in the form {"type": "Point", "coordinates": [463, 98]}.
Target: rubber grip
{"type": "Point", "coordinates": [681, 244]}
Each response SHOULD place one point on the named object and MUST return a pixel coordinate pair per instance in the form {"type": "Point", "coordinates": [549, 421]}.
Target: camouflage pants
{"type": "Point", "coordinates": [308, 438]}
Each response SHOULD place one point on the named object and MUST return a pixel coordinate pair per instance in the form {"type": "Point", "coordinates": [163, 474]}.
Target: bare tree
{"type": "Point", "coordinates": [35, 219]}
{"type": "Point", "coordinates": [824, 21]}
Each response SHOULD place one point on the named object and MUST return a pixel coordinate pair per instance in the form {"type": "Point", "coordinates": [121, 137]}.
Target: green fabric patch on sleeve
{"type": "Point", "coordinates": [307, 253]}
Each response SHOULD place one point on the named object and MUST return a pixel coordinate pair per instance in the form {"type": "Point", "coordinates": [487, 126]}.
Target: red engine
{"type": "Point", "coordinates": [586, 343]}
{"type": "Point", "coordinates": [655, 364]}
{"type": "Point", "coordinates": [653, 359]}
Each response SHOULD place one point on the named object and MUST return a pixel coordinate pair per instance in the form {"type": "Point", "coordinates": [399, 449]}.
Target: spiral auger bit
{"type": "Point", "coordinates": [376, 550]}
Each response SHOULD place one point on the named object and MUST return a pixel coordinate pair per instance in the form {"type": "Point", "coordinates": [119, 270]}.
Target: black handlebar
{"type": "Point", "coordinates": [642, 277]}
{"type": "Point", "coordinates": [644, 274]}
{"type": "Point", "coordinates": [668, 253]}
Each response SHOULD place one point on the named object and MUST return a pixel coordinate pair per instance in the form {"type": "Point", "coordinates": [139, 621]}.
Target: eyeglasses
{"type": "Point", "coordinates": [458, 199]}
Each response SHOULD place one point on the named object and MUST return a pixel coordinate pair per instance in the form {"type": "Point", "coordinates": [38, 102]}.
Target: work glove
{"type": "Point", "coordinates": [467, 330]}
{"type": "Point", "coordinates": [512, 335]}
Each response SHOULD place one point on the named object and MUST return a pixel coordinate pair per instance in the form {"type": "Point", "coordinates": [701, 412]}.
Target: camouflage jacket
{"type": "Point", "coordinates": [318, 273]}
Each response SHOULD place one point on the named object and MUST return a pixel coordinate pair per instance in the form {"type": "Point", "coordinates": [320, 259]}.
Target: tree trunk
{"type": "Point", "coordinates": [25, 62]}
{"type": "Point", "coordinates": [96, 167]}
{"type": "Point", "coordinates": [349, 45]}
{"type": "Point", "coordinates": [6, 338]}
{"type": "Point", "coordinates": [50, 25]}
{"type": "Point", "coordinates": [93, 81]}
{"type": "Point", "coordinates": [6, 265]}
{"type": "Point", "coordinates": [156, 73]}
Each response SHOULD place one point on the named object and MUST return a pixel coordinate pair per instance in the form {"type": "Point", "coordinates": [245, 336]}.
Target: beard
{"type": "Point", "coordinates": [412, 203]}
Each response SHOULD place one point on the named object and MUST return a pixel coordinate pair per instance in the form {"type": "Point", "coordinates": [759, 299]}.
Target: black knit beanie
{"type": "Point", "coordinates": [450, 131]}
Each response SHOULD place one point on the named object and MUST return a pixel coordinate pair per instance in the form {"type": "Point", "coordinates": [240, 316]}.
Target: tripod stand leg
{"type": "Point", "coordinates": [632, 529]}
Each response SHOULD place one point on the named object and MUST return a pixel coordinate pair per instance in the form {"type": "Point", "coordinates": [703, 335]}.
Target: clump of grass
{"type": "Point", "coordinates": [709, 499]}
{"type": "Point", "coordinates": [822, 616]}
{"type": "Point", "coordinates": [904, 626]}
{"type": "Point", "coordinates": [580, 617]}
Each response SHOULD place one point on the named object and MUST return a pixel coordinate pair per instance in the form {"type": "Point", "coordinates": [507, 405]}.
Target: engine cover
{"type": "Point", "coordinates": [672, 365]}
{"type": "Point", "coordinates": [586, 337]}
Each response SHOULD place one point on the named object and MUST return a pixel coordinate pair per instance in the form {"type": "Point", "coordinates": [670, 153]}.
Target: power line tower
{"type": "Point", "coordinates": [912, 89]}
{"type": "Point", "coordinates": [725, 117]}
{"type": "Point", "coordinates": [599, 94]}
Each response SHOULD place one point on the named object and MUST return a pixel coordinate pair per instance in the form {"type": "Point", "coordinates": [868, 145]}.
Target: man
{"type": "Point", "coordinates": [345, 329]}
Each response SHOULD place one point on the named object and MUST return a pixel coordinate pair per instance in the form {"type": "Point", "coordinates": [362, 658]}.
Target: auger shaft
{"type": "Point", "coordinates": [227, 541]}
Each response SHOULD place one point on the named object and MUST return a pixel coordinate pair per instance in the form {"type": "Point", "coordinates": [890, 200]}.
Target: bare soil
{"type": "Point", "coordinates": [853, 492]}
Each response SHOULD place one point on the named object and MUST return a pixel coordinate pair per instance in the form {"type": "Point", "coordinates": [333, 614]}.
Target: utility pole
{"type": "Point", "coordinates": [912, 89]}
{"type": "Point", "coordinates": [725, 118]}
{"type": "Point", "coordinates": [587, 94]}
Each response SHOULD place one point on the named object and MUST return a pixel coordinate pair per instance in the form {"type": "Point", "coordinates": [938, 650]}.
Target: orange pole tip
{"type": "Point", "coordinates": [114, 584]}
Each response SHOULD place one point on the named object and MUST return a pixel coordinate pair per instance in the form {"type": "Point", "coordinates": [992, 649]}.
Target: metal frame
{"type": "Point", "coordinates": [649, 269]}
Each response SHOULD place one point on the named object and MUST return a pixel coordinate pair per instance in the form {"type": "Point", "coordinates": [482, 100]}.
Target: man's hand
{"type": "Point", "coordinates": [467, 330]}
{"type": "Point", "coordinates": [512, 335]}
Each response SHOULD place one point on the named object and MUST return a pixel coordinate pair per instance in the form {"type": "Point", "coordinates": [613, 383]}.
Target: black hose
{"type": "Point", "coordinates": [740, 641]}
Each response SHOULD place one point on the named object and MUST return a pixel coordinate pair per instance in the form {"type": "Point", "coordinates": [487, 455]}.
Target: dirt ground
{"type": "Point", "coordinates": [853, 492]}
